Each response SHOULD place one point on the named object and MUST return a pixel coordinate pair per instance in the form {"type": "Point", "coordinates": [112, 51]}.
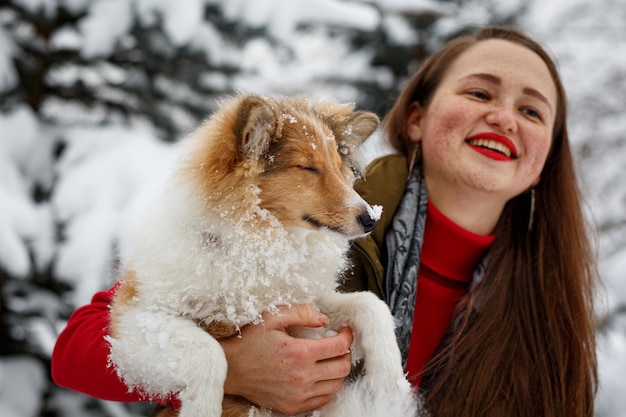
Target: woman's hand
{"type": "Point", "coordinates": [272, 369]}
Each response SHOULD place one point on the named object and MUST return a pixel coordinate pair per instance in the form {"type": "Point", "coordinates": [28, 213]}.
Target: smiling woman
{"type": "Point", "coordinates": [477, 118]}
{"type": "Point", "coordinates": [493, 297]}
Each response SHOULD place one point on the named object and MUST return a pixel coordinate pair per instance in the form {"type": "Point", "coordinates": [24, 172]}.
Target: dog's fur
{"type": "Point", "coordinates": [259, 213]}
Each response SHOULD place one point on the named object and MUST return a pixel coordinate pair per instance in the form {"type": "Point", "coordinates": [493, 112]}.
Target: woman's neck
{"type": "Point", "coordinates": [449, 250]}
{"type": "Point", "coordinates": [475, 212]}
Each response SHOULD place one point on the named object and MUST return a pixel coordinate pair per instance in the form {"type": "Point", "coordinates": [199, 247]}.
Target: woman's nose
{"type": "Point", "coordinates": [503, 116]}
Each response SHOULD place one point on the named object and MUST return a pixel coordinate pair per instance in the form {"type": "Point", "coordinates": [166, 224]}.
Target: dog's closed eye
{"type": "Point", "coordinates": [309, 168]}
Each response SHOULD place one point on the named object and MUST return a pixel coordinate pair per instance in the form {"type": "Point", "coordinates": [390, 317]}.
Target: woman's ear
{"type": "Point", "coordinates": [413, 122]}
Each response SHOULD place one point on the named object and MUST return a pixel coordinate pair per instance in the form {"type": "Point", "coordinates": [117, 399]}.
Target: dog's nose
{"type": "Point", "coordinates": [367, 221]}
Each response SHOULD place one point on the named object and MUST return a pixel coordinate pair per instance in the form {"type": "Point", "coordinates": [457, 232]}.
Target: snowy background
{"type": "Point", "coordinates": [95, 94]}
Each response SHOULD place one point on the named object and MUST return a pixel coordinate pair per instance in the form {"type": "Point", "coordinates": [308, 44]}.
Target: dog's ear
{"type": "Point", "coordinates": [350, 131]}
{"type": "Point", "coordinates": [354, 129]}
{"type": "Point", "coordinates": [255, 126]}
{"type": "Point", "coordinates": [364, 123]}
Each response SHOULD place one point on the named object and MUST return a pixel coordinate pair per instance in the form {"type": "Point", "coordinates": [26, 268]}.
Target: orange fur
{"type": "Point", "coordinates": [124, 295]}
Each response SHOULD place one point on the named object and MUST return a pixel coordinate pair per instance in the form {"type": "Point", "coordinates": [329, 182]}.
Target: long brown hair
{"type": "Point", "coordinates": [523, 343]}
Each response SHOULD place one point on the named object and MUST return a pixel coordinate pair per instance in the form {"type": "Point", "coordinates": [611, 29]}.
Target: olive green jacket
{"type": "Point", "coordinates": [383, 184]}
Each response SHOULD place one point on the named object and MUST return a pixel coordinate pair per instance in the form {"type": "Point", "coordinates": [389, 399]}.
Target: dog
{"type": "Point", "coordinates": [258, 213]}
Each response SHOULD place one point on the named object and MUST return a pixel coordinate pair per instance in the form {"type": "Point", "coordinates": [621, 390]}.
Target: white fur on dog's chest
{"type": "Point", "coordinates": [232, 275]}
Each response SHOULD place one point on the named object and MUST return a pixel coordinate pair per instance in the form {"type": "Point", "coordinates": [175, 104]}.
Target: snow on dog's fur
{"type": "Point", "coordinates": [258, 214]}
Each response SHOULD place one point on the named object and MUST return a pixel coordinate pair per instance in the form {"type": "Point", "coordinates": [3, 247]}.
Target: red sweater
{"type": "Point", "coordinates": [80, 355]}
{"type": "Point", "coordinates": [449, 256]}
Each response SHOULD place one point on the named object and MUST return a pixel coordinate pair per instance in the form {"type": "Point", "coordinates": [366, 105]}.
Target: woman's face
{"type": "Point", "coordinates": [488, 128]}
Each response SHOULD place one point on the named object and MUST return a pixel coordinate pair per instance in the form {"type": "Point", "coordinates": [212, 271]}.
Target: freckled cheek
{"type": "Point", "coordinates": [538, 148]}
{"type": "Point", "coordinates": [445, 136]}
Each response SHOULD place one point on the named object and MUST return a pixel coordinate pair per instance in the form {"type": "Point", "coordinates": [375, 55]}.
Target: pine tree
{"type": "Point", "coordinates": [143, 77]}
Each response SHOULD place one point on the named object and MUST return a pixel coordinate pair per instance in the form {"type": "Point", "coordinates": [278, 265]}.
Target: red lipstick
{"type": "Point", "coordinates": [493, 145]}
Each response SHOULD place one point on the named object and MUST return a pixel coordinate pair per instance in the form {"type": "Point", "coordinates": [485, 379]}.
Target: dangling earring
{"type": "Point", "coordinates": [412, 160]}
{"type": "Point", "coordinates": [531, 216]}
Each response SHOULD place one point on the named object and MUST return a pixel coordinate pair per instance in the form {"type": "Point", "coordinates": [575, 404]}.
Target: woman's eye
{"type": "Point", "coordinates": [479, 94]}
{"type": "Point", "coordinates": [532, 113]}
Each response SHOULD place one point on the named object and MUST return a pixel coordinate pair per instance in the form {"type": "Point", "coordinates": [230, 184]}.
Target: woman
{"type": "Point", "coordinates": [481, 254]}
{"type": "Point", "coordinates": [483, 124]}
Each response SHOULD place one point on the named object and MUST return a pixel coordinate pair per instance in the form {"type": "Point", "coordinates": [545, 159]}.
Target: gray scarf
{"type": "Point", "coordinates": [404, 246]}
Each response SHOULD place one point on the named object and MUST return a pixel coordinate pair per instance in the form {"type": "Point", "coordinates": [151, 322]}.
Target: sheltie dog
{"type": "Point", "coordinates": [258, 214]}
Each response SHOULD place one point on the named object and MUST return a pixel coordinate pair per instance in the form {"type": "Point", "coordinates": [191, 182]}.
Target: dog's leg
{"type": "Point", "coordinates": [384, 389]}
{"type": "Point", "coordinates": [163, 354]}
{"type": "Point", "coordinates": [374, 333]}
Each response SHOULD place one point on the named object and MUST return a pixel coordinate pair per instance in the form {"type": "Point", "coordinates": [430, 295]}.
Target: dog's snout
{"type": "Point", "coordinates": [368, 222]}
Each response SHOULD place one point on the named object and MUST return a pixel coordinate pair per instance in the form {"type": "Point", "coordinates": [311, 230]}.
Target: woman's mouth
{"type": "Point", "coordinates": [494, 146]}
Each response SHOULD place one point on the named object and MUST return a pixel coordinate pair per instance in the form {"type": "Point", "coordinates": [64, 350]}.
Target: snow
{"type": "Point", "coordinates": [46, 6]}
{"type": "Point", "coordinates": [107, 173]}
{"type": "Point", "coordinates": [104, 24]}
{"type": "Point", "coordinates": [22, 162]}
{"type": "Point", "coordinates": [399, 30]}
{"type": "Point", "coordinates": [268, 70]}
{"type": "Point", "coordinates": [414, 7]}
{"type": "Point", "coordinates": [614, 273]}
{"type": "Point", "coordinates": [181, 19]}
{"type": "Point", "coordinates": [375, 212]}
{"type": "Point", "coordinates": [8, 76]}
{"type": "Point", "coordinates": [282, 17]}
{"type": "Point", "coordinates": [23, 371]}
